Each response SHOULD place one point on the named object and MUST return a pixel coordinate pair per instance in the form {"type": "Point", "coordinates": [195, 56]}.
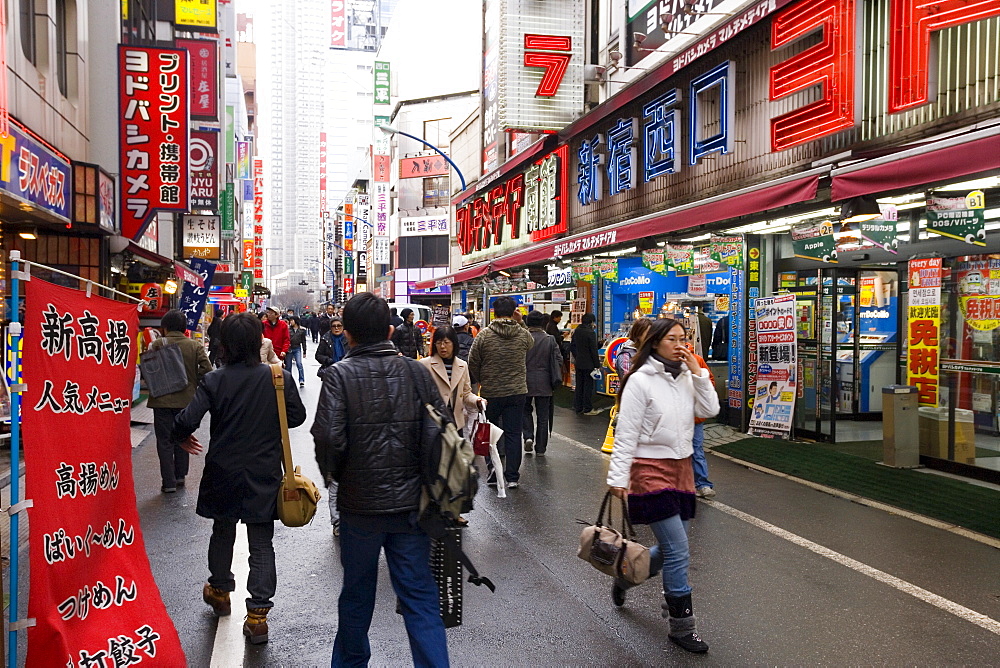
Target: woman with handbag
{"type": "Point", "coordinates": [451, 374]}
{"type": "Point", "coordinates": [242, 467]}
{"type": "Point", "coordinates": [651, 462]}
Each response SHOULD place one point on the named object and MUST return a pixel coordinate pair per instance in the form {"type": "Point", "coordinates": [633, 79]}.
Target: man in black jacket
{"type": "Point", "coordinates": [586, 358]}
{"type": "Point", "coordinates": [407, 338]}
{"type": "Point", "coordinates": [368, 435]}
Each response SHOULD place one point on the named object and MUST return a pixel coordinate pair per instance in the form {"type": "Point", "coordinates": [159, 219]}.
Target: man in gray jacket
{"type": "Point", "coordinates": [497, 363]}
{"type": "Point", "coordinates": [544, 366]}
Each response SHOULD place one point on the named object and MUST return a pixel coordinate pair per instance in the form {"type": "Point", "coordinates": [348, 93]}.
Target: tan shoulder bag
{"type": "Point", "coordinates": [298, 495]}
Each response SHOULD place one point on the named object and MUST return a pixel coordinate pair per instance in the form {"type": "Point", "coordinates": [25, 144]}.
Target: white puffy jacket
{"type": "Point", "coordinates": [656, 416]}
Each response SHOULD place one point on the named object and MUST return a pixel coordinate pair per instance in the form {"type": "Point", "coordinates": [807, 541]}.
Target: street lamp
{"type": "Point", "coordinates": [389, 130]}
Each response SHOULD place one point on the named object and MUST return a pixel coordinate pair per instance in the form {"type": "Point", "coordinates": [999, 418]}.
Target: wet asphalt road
{"type": "Point", "coordinates": [760, 598]}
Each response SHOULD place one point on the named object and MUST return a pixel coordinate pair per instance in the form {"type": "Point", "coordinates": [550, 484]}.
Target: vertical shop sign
{"type": "Point", "coordinates": [777, 367]}
{"type": "Point", "coordinates": [153, 134]}
{"type": "Point", "coordinates": [197, 14]}
{"type": "Point", "coordinates": [243, 160]}
{"type": "Point", "coordinates": [193, 297]}
{"type": "Point", "coordinates": [923, 329]}
{"type": "Point", "coordinates": [752, 286]}
{"type": "Point", "coordinates": [202, 237]}
{"type": "Point", "coordinates": [958, 216]}
{"type": "Point", "coordinates": [204, 168]}
{"type": "Point", "coordinates": [490, 102]}
{"type": "Point", "coordinates": [93, 595]}
{"type": "Point", "coordinates": [203, 61]}
{"type": "Point", "coordinates": [322, 173]}
{"type": "Point", "coordinates": [382, 88]}
{"type": "Point", "coordinates": [736, 344]}
{"type": "Point", "coordinates": [258, 220]}
{"type": "Point", "coordinates": [338, 24]}
{"type": "Point", "coordinates": [228, 211]}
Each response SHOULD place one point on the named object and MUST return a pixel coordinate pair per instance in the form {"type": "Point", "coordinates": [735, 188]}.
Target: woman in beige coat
{"type": "Point", "coordinates": [451, 374]}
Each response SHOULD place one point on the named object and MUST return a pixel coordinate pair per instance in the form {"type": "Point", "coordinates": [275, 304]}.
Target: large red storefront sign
{"type": "Point", "coordinates": [93, 595]}
{"type": "Point", "coordinates": [533, 204]}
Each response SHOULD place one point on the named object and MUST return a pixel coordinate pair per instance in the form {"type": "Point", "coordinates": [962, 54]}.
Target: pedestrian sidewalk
{"type": "Point", "coordinates": [962, 506]}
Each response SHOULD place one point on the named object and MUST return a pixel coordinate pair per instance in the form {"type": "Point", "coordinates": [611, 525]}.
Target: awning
{"type": "Point", "coordinates": [755, 199]}
{"type": "Point", "coordinates": [943, 160]}
{"type": "Point", "coordinates": [150, 256]}
{"type": "Point", "coordinates": [460, 276]}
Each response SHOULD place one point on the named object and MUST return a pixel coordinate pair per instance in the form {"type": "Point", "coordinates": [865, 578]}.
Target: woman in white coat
{"type": "Point", "coordinates": [651, 462]}
{"type": "Point", "coordinates": [451, 374]}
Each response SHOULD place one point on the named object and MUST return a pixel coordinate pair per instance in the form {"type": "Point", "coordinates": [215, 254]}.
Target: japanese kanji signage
{"type": "Point", "coordinates": [923, 329]}
{"type": "Point", "coordinates": [958, 216]}
{"type": "Point", "coordinates": [777, 365]}
{"type": "Point", "coordinates": [258, 220]}
{"type": "Point", "coordinates": [198, 14]}
{"type": "Point", "coordinates": [979, 293]}
{"type": "Point", "coordinates": [428, 165]}
{"type": "Point", "coordinates": [32, 172]}
{"type": "Point", "coordinates": [153, 134]}
{"type": "Point", "coordinates": [93, 595]}
{"type": "Point", "coordinates": [418, 226]}
{"type": "Point", "coordinates": [203, 57]}
{"type": "Point", "coordinates": [338, 24]}
{"type": "Point", "coordinates": [204, 166]}
{"type": "Point", "coordinates": [202, 236]}
{"type": "Point", "coordinates": [192, 296]}
{"type": "Point", "coordinates": [382, 92]}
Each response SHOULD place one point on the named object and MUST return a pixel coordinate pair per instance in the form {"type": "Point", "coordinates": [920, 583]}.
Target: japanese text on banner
{"type": "Point", "coordinates": [777, 367]}
{"type": "Point", "coordinates": [923, 329]}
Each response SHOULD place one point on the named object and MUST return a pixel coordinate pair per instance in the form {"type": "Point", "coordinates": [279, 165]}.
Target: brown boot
{"type": "Point", "coordinates": [218, 599]}
{"type": "Point", "coordinates": [255, 626]}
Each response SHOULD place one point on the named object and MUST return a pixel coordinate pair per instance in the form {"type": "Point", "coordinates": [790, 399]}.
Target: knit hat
{"type": "Point", "coordinates": [460, 321]}
{"type": "Point", "coordinates": [405, 313]}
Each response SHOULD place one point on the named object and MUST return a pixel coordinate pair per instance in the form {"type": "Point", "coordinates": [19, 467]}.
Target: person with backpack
{"type": "Point", "coordinates": [368, 435]}
{"type": "Point", "coordinates": [465, 339]}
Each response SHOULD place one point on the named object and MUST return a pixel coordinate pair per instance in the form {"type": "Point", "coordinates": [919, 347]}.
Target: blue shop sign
{"type": "Point", "coordinates": [634, 278]}
{"type": "Point", "coordinates": [32, 172]}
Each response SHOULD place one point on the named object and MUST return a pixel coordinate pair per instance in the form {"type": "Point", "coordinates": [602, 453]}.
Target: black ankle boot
{"type": "Point", "coordinates": [683, 626]}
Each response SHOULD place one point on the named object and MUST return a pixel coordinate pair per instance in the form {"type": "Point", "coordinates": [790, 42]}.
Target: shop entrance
{"type": "Point", "coordinates": [848, 322]}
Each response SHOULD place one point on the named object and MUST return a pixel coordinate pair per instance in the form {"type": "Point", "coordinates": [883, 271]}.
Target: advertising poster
{"type": "Point", "coordinates": [584, 271]}
{"type": "Point", "coordinates": [736, 341]}
{"type": "Point", "coordinates": [882, 231]}
{"type": "Point", "coordinates": [655, 260]}
{"type": "Point", "coordinates": [608, 269]}
{"type": "Point", "coordinates": [680, 258]}
{"type": "Point", "coordinates": [979, 293]}
{"type": "Point", "coordinates": [193, 297]}
{"type": "Point", "coordinates": [93, 596]}
{"type": "Point", "coordinates": [727, 251]}
{"type": "Point", "coordinates": [958, 216]}
{"type": "Point", "coordinates": [815, 242]}
{"type": "Point", "coordinates": [923, 329]}
{"type": "Point", "coordinates": [777, 367]}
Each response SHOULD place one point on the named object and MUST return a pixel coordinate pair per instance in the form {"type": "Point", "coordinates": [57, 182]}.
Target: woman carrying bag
{"type": "Point", "coordinates": [651, 462]}
{"type": "Point", "coordinates": [242, 467]}
{"type": "Point", "coordinates": [451, 374]}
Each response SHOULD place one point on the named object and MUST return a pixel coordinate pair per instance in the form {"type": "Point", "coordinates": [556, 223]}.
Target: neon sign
{"type": "Point", "coordinates": [589, 170]}
{"type": "Point", "coordinates": [720, 77]}
{"type": "Point", "coordinates": [661, 136]}
{"type": "Point", "coordinates": [621, 156]}
{"type": "Point", "coordinates": [555, 64]}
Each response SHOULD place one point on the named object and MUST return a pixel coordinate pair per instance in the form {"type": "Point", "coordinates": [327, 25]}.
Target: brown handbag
{"type": "Point", "coordinates": [614, 553]}
{"type": "Point", "coordinates": [298, 496]}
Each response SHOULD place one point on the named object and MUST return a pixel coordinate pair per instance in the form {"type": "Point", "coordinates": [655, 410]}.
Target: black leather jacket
{"type": "Point", "coordinates": [368, 429]}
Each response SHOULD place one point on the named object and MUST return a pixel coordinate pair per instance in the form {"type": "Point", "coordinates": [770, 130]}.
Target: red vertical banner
{"type": "Point", "coordinates": [923, 329]}
{"type": "Point", "coordinates": [338, 24]}
{"type": "Point", "coordinates": [203, 54]}
{"type": "Point", "coordinates": [258, 220]}
{"type": "Point", "coordinates": [153, 134]}
{"type": "Point", "coordinates": [322, 173]}
{"type": "Point", "coordinates": [93, 595]}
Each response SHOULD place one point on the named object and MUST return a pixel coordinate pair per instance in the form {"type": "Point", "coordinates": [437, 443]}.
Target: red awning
{"type": "Point", "coordinates": [800, 188]}
{"type": "Point", "coordinates": [950, 158]}
{"type": "Point", "coordinates": [156, 258]}
{"type": "Point", "coordinates": [458, 277]}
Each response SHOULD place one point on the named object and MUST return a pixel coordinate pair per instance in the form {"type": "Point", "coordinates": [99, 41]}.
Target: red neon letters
{"type": "Point", "coordinates": [829, 63]}
{"type": "Point", "coordinates": [913, 23]}
{"type": "Point", "coordinates": [555, 64]}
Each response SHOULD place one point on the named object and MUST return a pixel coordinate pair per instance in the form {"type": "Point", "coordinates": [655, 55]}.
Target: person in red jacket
{"type": "Point", "coordinates": [277, 330]}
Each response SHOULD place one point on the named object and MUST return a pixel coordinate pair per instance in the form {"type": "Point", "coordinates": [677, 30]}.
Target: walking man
{"type": "Point", "coordinates": [544, 373]}
{"type": "Point", "coordinates": [586, 358]}
{"type": "Point", "coordinates": [497, 362]}
{"type": "Point", "coordinates": [407, 337]}
{"type": "Point", "coordinates": [367, 434]}
{"type": "Point", "coordinates": [276, 330]}
{"type": "Point", "coordinates": [173, 459]}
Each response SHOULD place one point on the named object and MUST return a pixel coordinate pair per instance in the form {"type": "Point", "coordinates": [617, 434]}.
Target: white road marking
{"type": "Point", "coordinates": [947, 605]}
{"type": "Point", "coordinates": [230, 645]}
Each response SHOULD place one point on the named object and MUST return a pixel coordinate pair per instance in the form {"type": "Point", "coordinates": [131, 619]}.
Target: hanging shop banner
{"type": "Point", "coordinates": [814, 242]}
{"type": "Point", "coordinates": [203, 60]}
{"type": "Point", "coordinates": [93, 596]}
{"type": "Point", "coordinates": [680, 258]}
{"type": "Point", "coordinates": [34, 173]}
{"type": "Point", "coordinates": [736, 343]}
{"type": "Point", "coordinates": [422, 167]}
{"type": "Point", "coordinates": [202, 236]}
{"type": "Point", "coordinates": [608, 269]}
{"type": "Point", "coordinates": [243, 160]}
{"type": "Point", "coordinates": [196, 14]}
{"type": "Point", "coordinates": [192, 296]}
{"type": "Point", "coordinates": [882, 231]}
{"type": "Point", "coordinates": [153, 134]}
{"type": "Point", "coordinates": [655, 260]}
{"type": "Point", "coordinates": [705, 263]}
{"type": "Point", "coordinates": [979, 293]}
{"type": "Point", "coordinates": [727, 251]}
{"type": "Point", "coordinates": [188, 275]}
{"type": "Point", "coordinates": [924, 329]}
{"type": "Point", "coordinates": [958, 216]}
{"type": "Point", "coordinates": [777, 367]}
{"type": "Point", "coordinates": [584, 271]}
{"type": "Point", "coordinates": [204, 166]}
{"type": "Point", "coordinates": [381, 74]}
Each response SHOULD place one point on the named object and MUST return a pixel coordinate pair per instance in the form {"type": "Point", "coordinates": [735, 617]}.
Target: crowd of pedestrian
{"type": "Point", "coordinates": [377, 374]}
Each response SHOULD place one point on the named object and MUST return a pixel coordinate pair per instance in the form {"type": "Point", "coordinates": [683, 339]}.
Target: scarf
{"type": "Point", "coordinates": [670, 366]}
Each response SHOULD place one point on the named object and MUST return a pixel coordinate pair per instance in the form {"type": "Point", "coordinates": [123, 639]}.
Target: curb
{"type": "Point", "coordinates": [871, 503]}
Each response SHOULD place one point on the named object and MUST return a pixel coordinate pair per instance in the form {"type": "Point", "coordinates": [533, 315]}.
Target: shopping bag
{"type": "Point", "coordinates": [481, 436]}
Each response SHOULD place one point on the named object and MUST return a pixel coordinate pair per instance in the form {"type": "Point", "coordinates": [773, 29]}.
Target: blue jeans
{"type": "Point", "coordinates": [408, 556]}
{"type": "Point", "coordinates": [670, 555]}
{"type": "Point", "coordinates": [698, 461]}
{"type": "Point", "coordinates": [295, 355]}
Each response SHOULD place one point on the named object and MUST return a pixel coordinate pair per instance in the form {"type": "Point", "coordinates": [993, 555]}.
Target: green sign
{"type": "Point", "coordinates": [608, 270]}
{"type": "Point", "coordinates": [727, 251]}
{"type": "Point", "coordinates": [230, 139]}
{"type": "Point", "coordinates": [382, 120]}
{"type": "Point", "coordinates": [815, 242]}
{"type": "Point", "coordinates": [584, 271]}
{"type": "Point", "coordinates": [655, 260]}
{"type": "Point", "coordinates": [680, 258]}
{"type": "Point", "coordinates": [246, 281]}
{"type": "Point", "coordinates": [228, 214]}
{"type": "Point", "coordinates": [382, 95]}
{"type": "Point", "coordinates": [880, 232]}
{"type": "Point", "coordinates": [348, 265]}
{"type": "Point", "coordinates": [958, 216]}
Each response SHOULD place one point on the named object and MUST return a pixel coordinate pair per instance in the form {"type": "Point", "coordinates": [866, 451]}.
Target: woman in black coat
{"type": "Point", "coordinates": [242, 467]}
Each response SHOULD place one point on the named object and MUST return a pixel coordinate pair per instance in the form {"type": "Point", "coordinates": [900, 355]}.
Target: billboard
{"type": "Point", "coordinates": [203, 60]}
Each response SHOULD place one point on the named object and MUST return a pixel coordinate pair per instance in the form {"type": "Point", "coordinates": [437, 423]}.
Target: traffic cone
{"type": "Point", "coordinates": [609, 438]}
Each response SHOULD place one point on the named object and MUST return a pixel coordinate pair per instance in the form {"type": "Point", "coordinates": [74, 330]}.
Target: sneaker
{"type": "Point", "coordinates": [593, 411]}
{"type": "Point", "coordinates": [336, 528]}
{"type": "Point", "coordinates": [255, 625]}
{"type": "Point", "coordinates": [168, 490]}
{"type": "Point", "coordinates": [706, 492]}
{"type": "Point", "coordinates": [512, 485]}
{"type": "Point", "coordinates": [218, 599]}
{"type": "Point", "coordinates": [529, 445]}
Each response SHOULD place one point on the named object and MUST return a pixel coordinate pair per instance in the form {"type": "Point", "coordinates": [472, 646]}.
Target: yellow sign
{"type": "Point", "coordinates": [241, 293]}
{"type": "Point", "coordinates": [981, 312]}
{"type": "Point", "coordinates": [195, 13]}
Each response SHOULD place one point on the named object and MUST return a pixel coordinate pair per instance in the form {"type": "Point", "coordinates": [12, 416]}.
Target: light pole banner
{"type": "Point", "coordinates": [93, 595]}
{"type": "Point", "coordinates": [777, 367]}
